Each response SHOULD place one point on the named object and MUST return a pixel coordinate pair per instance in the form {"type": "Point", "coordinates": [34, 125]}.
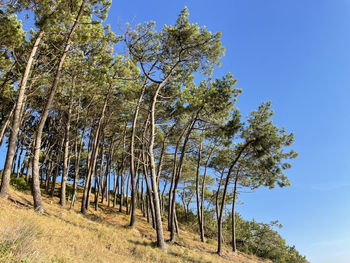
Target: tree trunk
{"type": "Point", "coordinates": [142, 198]}
{"type": "Point", "coordinates": [38, 205]}
{"type": "Point", "coordinates": [77, 166]}
{"type": "Point", "coordinates": [53, 185]}
{"type": "Point", "coordinates": [108, 174]}
{"type": "Point", "coordinates": [147, 209]}
{"type": "Point", "coordinates": [150, 203]}
{"type": "Point", "coordinates": [225, 192]}
{"type": "Point", "coordinates": [132, 158]}
{"type": "Point", "coordinates": [234, 246]}
{"type": "Point", "coordinates": [121, 200]}
{"type": "Point", "coordinates": [162, 197]}
{"type": "Point", "coordinates": [199, 214]}
{"type": "Point", "coordinates": [116, 185]}
{"type": "Point", "coordinates": [122, 175]}
{"type": "Point", "coordinates": [170, 195]}
{"type": "Point", "coordinates": [57, 168]}
{"type": "Point", "coordinates": [159, 226]}
{"type": "Point", "coordinates": [48, 175]}
{"type": "Point", "coordinates": [203, 192]}
{"type": "Point", "coordinates": [19, 162]}
{"type": "Point", "coordinates": [30, 162]}
{"type": "Point", "coordinates": [92, 163]}
{"type": "Point", "coordinates": [177, 179]}
{"type": "Point", "coordinates": [127, 194]}
{"type": "Point", "coordinates": [100, 177]}
{"type": "Point", "coordinates": [66, 152]}
{"type": "Point", "coordinates": [14, 159]}
{"type": "Point", "coordinates": [6, 124]}
{"type": "Point", "coordinates": [16, 121]}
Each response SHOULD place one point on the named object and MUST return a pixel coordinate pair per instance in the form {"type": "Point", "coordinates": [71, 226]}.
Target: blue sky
{"type": "Point", "coordinates": [296, 54]}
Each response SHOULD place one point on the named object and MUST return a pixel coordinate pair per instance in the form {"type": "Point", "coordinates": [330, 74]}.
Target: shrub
{"type": "Point", "coordinates": [19, 183]}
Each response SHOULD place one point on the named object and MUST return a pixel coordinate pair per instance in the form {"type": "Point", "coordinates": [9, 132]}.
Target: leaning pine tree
{"type": "Point", "coordinates": [171, 55]}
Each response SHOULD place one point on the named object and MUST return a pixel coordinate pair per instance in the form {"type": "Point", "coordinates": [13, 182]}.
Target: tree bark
{"type": "Point", "coordinates": [150, 203]}
{"type": "Point", "coordinates": [6, 124]}
{"type": "Point", "coordinates": [199, 214]}
{"type": "Point", "coordinates": [5, 182]}
{"type": "Point", "coordinates": [159, 226]}
{"type": "Point", "coordinates": [116, 186]}
{"type": "Point", "coordinates": [66, 153]}
{"type": "Point", "coordinates": [122, 175]}
{"type": "Point", "coordinates": [77, 166]}
{"type": "Point", "coordinates": [234, 245]}
{"type": "Point", "coordinates": [57, 168]}
{"type": "Point", "coordinates": [99, 178]}
{"type": "Point", "coordinates": [203, 192]}
{"type": "Point", "coordinates": [132, 158]}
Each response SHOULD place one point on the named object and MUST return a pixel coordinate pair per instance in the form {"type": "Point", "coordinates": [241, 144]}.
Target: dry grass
{"type": "Point", "coordinates": [63, 235]}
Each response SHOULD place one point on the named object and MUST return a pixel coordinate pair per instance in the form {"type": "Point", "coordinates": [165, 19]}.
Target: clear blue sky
{"type": "Point", "coordinates": [296, 54]}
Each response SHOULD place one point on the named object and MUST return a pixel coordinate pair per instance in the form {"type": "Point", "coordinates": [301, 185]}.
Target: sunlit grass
{"type": "Point", "coordinates": [63, 235]}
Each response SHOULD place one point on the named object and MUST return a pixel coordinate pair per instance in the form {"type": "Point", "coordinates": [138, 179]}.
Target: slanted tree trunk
{"type": "Point", "coordinates": [6, 124]}
{"type": "Point", "coordinates": [217, 206]}
{"type": "Point", "coordinates": [38, 205]}
{"type": "Point", "coordinates": [199, 214]}
{"type": "Point", "coordinates": [132, 157]}
{"type": "Point", "coordinates": [92, 163]}
{"type": "Point", "coordinates": [66, 152]}
{"type": "Point", "coordinates": [170, 195]}
{"type": "Point", "coordinates": [178, 176]}
{"type": "Point", "coordinates": [234, 162]}
{"type": "Point", "coordinates": [219, 251]}
{"type": "Point", "coordinates": [16, 122]}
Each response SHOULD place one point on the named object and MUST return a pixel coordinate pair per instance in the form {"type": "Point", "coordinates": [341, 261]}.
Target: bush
{"type": "Point", "coordinates": [19, 183]}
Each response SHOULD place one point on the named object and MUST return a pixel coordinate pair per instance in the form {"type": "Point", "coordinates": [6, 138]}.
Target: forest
{"type": "Point", "coordinates": [137, 120]}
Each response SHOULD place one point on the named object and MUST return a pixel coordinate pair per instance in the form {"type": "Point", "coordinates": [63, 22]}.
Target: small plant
{"type": "Point", "coordinates": [211, 242]}
{"type": "Point", "coordinates": [16, 242]}
{"type": "Point", "coordinates": [19, 183]}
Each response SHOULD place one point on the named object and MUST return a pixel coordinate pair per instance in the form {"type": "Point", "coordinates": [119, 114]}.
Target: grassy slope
{"type": "Point", "coordinates": [63, 235]}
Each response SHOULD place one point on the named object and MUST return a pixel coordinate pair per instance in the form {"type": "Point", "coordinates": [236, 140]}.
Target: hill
{"type": "Point", "coordinates": [63, 235]}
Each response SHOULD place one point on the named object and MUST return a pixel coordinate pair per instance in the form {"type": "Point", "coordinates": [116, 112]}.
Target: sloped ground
{"type": "Point", "coordinates": [63, 235]}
